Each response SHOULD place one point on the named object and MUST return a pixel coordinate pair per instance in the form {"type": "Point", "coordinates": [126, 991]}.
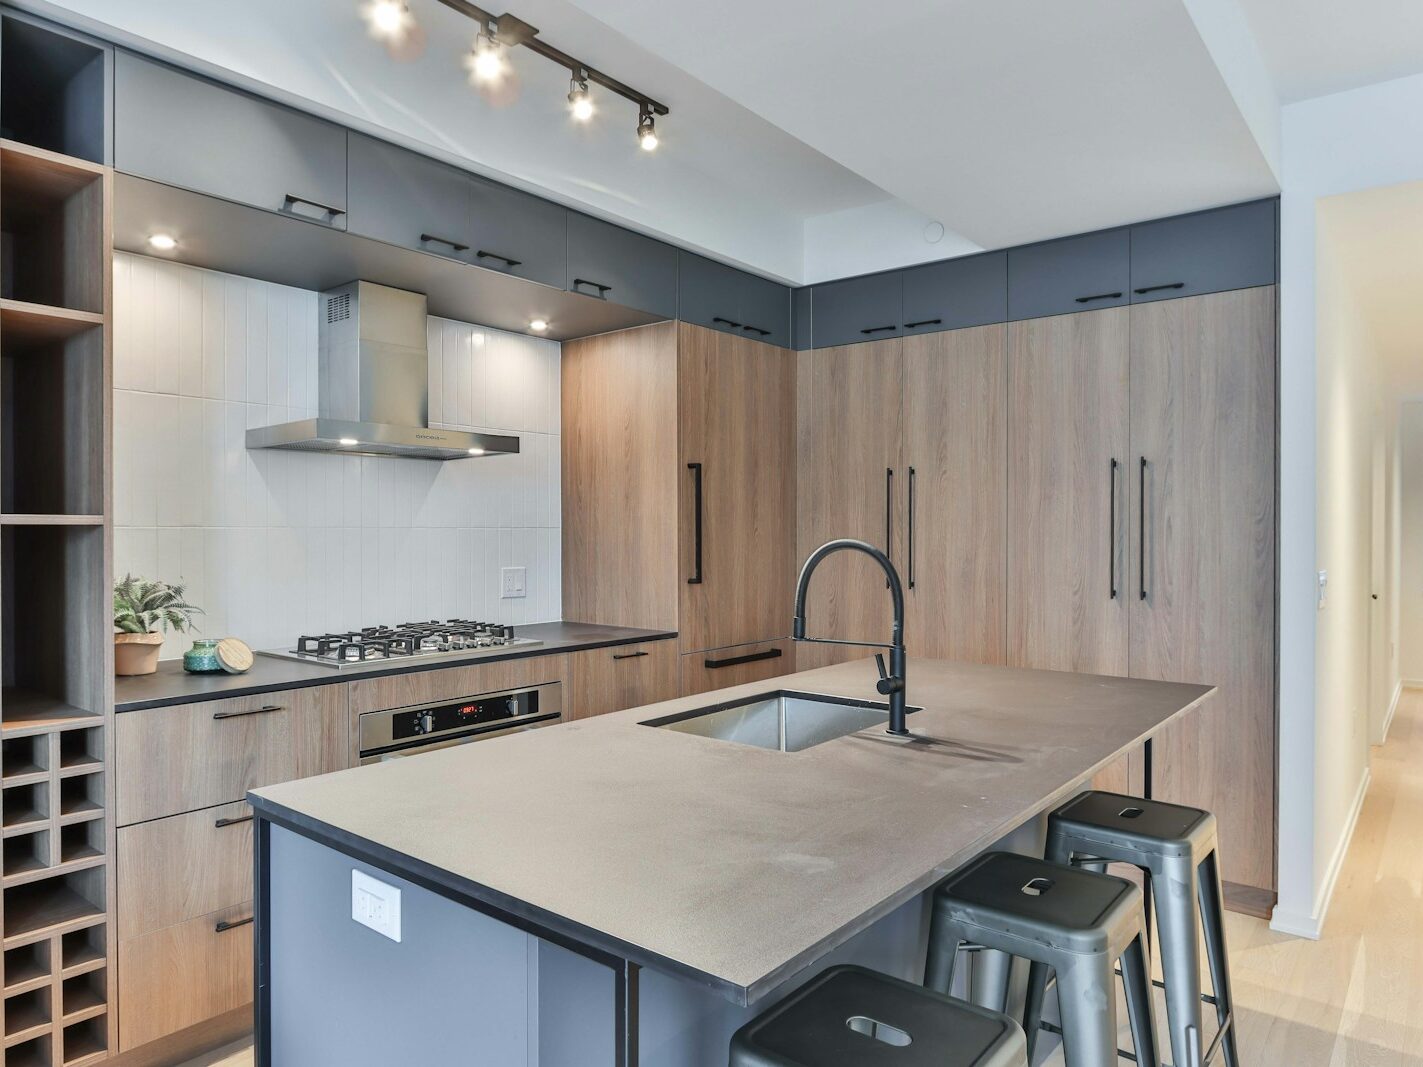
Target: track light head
{"type": "Point", "coordinates": [646, 129]}
{"type": "Point", "coordinates": [580, 102]}
{"type": "Point", "coordinates": [486, 62]}
{"type": "Point", "coordinates": [388, 19]}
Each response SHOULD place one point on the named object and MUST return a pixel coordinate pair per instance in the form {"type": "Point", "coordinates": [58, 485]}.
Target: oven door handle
{"type": "Point", "coordinates": [513, 726]}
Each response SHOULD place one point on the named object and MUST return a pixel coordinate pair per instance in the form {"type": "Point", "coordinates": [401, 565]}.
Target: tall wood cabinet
{"type": "Point", "coordinates": [679, 494]}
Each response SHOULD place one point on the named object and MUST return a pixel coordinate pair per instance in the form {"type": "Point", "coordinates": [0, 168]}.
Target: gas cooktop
{"type": "Point", "coordinates": [410, 640]}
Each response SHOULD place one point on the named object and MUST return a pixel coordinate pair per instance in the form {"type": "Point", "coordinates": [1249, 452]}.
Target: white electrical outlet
{"type": "Point", "coordinates": [1322, 590]}
{"type": "Point", "coordinates": [375, 904]}
{"type": "Point", "coordinates": [513, 583]}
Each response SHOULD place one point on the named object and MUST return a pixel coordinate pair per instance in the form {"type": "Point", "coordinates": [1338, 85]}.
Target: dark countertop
{"type": "Point", "coordinates": [171, 685]}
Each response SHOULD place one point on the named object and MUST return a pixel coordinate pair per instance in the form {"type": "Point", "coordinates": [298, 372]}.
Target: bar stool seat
{"type": "Point", "coordinates": [852, 1017]}
{"type": "Point", "coordinates": [1075, 922]}
{"type": "Point", "coordinates": [1175, 847]}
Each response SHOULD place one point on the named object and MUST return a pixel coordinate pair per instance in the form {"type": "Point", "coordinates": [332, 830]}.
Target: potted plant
{"type": "Point", "coordinates": [140, 608]}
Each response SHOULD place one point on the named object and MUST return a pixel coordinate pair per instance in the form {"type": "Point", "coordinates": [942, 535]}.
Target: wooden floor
{"type": "Point", "coordinates": [1352, 999]}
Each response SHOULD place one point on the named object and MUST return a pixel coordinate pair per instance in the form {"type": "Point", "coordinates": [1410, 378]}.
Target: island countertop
{"type": "Point", "coordinates": [725, 864]}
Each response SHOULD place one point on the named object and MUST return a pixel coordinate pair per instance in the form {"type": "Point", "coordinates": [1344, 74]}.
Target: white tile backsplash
{"type": "Point", "coordinates": [273, 544]}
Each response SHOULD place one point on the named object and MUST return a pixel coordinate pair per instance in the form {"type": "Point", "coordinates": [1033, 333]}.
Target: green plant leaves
{"type": "Point", "coordinates": [141, 605]}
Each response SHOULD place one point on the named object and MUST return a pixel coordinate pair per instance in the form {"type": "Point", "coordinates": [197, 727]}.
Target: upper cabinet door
{"type": "Point", "coordinates": [956, 293]}
{"type": "Point", "coordinates": [709, 293]}
{"type": "Point", "coordinates": [518, 234]}
{"type": "Point", "coordinates": [620, 266]}
{"type": "Point", "coordinates": [765, 311]}
{"type": "Point", "coordinates": [1209, 252]}
{"type": "Point", "coordinates": [408, 199]}
{"type": "Point", "coordinates": [1084, 273]}
{"type": "Point", "coordinates": [857, 310]}
{"type": "Point", "coordinates": [185, 131]}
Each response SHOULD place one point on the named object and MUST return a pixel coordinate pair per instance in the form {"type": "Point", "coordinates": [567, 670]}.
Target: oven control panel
{"type": "Point", "coordinates": [462, 714]}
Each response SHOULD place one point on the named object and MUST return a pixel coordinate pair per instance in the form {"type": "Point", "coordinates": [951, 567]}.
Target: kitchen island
{"type": "Point", "coordinates": [610, 892]}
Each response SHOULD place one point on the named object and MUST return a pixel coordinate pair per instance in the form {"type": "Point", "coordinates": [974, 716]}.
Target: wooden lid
{"type": "Point", "coordinates": [234, 655]}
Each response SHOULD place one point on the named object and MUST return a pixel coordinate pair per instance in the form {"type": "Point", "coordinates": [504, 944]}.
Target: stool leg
{"type": "Point", "coordinates": [1038, 974]}
{"type": "Point", "coordinates": [989, 988]}
{"type": "Point", "coordinates": [1213, 921]}
{"type": "Point", "coordinates": [944, 940]}
{"type": "Point", "coordinates": [1141, 1006]}
{"type": "Point", "coordinates": [1176, 924]}
{"type": "Point", "coordinates": [1087, 995]}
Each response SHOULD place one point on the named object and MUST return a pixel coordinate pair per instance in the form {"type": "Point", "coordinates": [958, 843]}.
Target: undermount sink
{"type": "Point", "coordinates": [781, 721]}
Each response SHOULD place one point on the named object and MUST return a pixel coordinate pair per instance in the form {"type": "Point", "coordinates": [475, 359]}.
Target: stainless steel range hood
{"type": "Point", "coordinates": [373, 382]}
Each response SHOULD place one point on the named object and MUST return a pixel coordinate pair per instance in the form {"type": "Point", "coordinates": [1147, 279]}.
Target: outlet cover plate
{"type": "Point", "coordinates": [513, 583]}
{"type": "Point", "coordinates": [375, 904]}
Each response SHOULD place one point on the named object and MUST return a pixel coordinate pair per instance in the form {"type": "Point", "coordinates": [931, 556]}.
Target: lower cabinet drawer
{"type": "Point", "coordinates": [722, 667]}
{"type": "Point", "coordinates": [173, 978]}
{"type": "Point", "coordinates": [176, 869]}
{"type": "Point", "coordinates": [624, 676]}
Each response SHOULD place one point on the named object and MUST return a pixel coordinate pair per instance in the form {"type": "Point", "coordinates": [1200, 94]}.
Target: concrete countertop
{"type": "Point", "coordinates": [171, 685]}
{"type": "Point", "coordinates": [730, 865]}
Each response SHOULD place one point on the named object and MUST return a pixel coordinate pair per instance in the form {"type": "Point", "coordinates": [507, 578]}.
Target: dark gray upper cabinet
{"type": "Point", "coordinates": [709, 293]}
{"type": "Point", "coordinates": [800, 318]}
{"type": "Point", "coordinates": [857, 309]}
{"type": "Point", "coordinates": [519, 234]}
{"type": "Point", "coordinates": [182, 130]}
{"type": "Point", "coordinates": [766, 310]}
{"type": "Point", "coordinates": [621, 266]}
{"type": "Point", "coordinates": [408, 199]}
{"type": "Point", "coordinates": [1209, 252]}
{"type": "Point", "coordinates": [956, 293]}
{"type": "Point", "coordinates": [1073, 274]}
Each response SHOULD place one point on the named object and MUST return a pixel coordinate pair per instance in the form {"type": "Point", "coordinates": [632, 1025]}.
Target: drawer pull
{"type": "Point", "coordinates": [509, 264]}
{"type": "Point", "coordinates": [878, 329]}
{"type": "Point", "coordinates": [332, 211]}
{"type": "Point", "coordinates": [757, 331]}
{"type": "Point", "coordinates": [254, 711]}
{"type": "Point", "coordinates": [923, 322]}
{"type": "Point", "coordinates": [1159, 288]}
{"type": "Point", "coordinates": [603, 290]}
{"type": "Point", "coordinates": [223, 926]}
{"type": "Point", "coordinates": [629, 655]}
{"type": "Point", "coordinates": [430, 238]}
{"type": "Point", "coordinates": [1099, 296]}
{"type": "Point", "coordinates": [220, 823]}
{"type": "Point", "coordinates": [726, 322]}
{"type": "Point", "coordinates": [736, 661]}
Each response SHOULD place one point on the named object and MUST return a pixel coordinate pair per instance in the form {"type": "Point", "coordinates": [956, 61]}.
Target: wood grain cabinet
{"type": "Point", "coordinates": [719, 668]}
{"type": "Point", "coordinates": [602, 680]}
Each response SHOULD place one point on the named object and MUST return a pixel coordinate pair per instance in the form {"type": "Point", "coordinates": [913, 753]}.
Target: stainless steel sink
{"type": "Point", "coordinates": [781, 721]}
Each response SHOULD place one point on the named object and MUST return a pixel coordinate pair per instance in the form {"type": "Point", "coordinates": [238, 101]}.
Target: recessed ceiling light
{"type": "Point", "coordinates": [164, 242]}
{"type": "Point", "coordinates": [538, 325]}
{"type": "Point", "coordinates": [646, 130]}
{"type": "Point", "coordinates": [348, 441]}
{"type": "Point", "coordinates": [580, 103]}
{"type": "Point", "coordinates": [388, 18]}
{"type": "Point", "coordinates": [476, 451]}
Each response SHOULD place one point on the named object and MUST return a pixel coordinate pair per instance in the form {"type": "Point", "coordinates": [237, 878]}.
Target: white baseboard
{"type": "Point", "coordinates": [1311, 926]}
{"type": "Point", "coordinates": [1392, 708]}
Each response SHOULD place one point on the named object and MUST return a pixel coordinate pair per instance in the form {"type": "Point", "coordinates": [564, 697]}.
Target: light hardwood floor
{"type": "Point", "coordinates": [1351, 999]}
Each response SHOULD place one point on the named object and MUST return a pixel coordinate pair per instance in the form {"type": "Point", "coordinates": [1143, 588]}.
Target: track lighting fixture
{"type": "Point", "coordinates": [646, 129]}
{"type": "Point", "coordinates": [580, 103]}
{"type": "Point", "coordinates": [486, 62]}
{"type": "Point", "coordinates": [388, 19]}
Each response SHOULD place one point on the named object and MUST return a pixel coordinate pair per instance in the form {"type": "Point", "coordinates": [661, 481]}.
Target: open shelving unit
{"type": "Point", "coordinates": [56, 649]}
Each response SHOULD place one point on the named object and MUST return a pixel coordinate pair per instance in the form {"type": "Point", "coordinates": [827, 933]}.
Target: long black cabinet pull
{"type": "Point", "coordinates": [1159, 288]}
{"type": "Point", "coordinates": [1112, 531]}
{"type": "Point", "coordinates": [486, 254]}
{"type": "Point", "coordinates": [223, 926]}
{"type": "Point", "coordinates": [911, 527]}
{"type": "Point", "coordinates": [1099, 296]}
{"type": "Point", "coordinates": [878, 329]}
{"type": "Point", "coordinates": [888, 516]}
{"type": "Point", "coordinates": [925, 322]}
{"type": "Point", "coordinates": [696, 578]}
{"type": "Point", "coordinates": [1141, 530]}
{"type": "Point", "coordinates": [727, 322]}
{"type": "Point", "coordinates": [266, 709]}
{"type": "Point", "coordinates": [736, 661]}
{"type": "Point", "coordinates": [603, 290]}
{"type": "Point", "coordinates": [220, 823]}
{"type": "Point", "coordinates": [332, 211]}
{"type": "Point", "coordinates": [757, 331]}
{"type": "Point", "coordinates": [628, 655]}
{"type": "Point", "coordinates": [430, 238]}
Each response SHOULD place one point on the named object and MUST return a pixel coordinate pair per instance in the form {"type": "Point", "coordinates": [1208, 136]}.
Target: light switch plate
{"type": "Point", "coordinates": [513, 583]}
{"type": "Point", "coordinates": [375, 904]}
{"type": "Point", "coordinates": [1322, 593]}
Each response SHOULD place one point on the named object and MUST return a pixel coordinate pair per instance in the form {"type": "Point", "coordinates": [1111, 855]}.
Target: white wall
{"type": "Point", "coordinates": [1336, 144]}
{"type": "Point", "coordinates": [1411, 583]}
{"type": "Point", "coordinates": [274, 544]}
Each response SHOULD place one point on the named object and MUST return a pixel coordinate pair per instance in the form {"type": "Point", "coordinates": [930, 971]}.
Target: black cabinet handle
{"type": "Point", "coordinates": [923, 322]}
{"type": "Point", "coordinates": [486, 254]}
{"type": "Point", "coordinates": [727, 322]}
{"type": "Point", "coordinates": [696, 578]}
{"type": "Point", "coordinates": [253, 711]}
{"type": "Point", "coordinates": [628, 655]}
{"type": "Point", "coordinates": [220, 823]}
{"type": "Point", "coordinates": [430, 238]}
{"type": "Point", "coordinates": [888, 516]}
{"type": "Point", "coordinates": [1159, 288]}
{"type": "Point", "coordinates": [223, 926]}
{"type": "Point", "coordinates": [1141, 532]}
{"type": "Point", "coordinates": [911, 527]}
{"type": "Point", "coordinates": [1099, 296]}
{"type": "Point", "coordinates": [332, 211]}
{"type": "Point", "coordinates": [736, 661]}
{"type": "Point", "coordinates": [878, 329]}
{"type": "Point", "coordinates": [757, 330]}
{"type": "Point", "coordinates": [603, 290]}
{"type": "Point", "coordinates": [1112, 532]}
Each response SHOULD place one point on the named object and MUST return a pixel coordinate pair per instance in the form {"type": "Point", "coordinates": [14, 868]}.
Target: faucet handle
{"type": "Point", "coordinates": [879, 662]}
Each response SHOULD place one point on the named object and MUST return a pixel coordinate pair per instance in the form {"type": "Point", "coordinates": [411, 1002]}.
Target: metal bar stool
{"type": "Point", "coordinates": [1175, 847]}
{"type": "Point", "coordinates": [848, 1015]}
{"type": "Point", "coordinates": [1077, 923]}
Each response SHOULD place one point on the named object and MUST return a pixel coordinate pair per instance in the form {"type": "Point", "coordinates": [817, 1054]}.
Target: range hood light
{"type": "Point", "coordinates": [476, 451]}
{"type": "Point", "coordinates": [163, 242]}
{"type": "Point", "coordinates": [349, 441]}
{"type": "Point", "coordinates": [538, 325]}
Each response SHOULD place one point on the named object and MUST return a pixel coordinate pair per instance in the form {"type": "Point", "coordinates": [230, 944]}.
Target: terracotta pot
{"type": "Point", "coordinates": [136, 653]}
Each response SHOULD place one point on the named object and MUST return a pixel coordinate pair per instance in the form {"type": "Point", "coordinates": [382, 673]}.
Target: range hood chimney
{"type": "Point", "coordinates": [373, 384]}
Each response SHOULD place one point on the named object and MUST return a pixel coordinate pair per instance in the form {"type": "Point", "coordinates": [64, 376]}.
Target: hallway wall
{"type": "Point", "coordinates": [1411, 576]}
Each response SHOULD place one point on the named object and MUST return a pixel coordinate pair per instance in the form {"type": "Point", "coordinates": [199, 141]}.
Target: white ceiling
{"type": "Point", "coordinates": [1316, 47]}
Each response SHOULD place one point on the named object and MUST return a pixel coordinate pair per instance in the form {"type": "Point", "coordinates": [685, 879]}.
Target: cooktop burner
{"type": "Point", "coordinates": [409, 640]}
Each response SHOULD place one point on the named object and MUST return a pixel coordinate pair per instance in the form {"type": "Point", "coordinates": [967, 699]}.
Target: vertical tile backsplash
{"type": "Point", "coordinates": [273, 544]}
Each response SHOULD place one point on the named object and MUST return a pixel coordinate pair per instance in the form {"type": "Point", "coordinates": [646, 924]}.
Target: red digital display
{"type": "Point", "coordinates": [469, 709]}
